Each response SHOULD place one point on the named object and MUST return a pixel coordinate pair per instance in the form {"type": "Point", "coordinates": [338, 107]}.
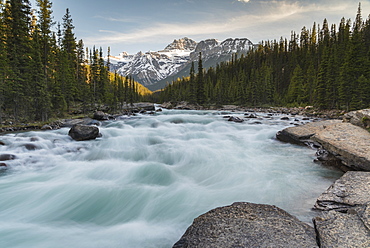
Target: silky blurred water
{"type": "Point", "coordinates": [147, 178]}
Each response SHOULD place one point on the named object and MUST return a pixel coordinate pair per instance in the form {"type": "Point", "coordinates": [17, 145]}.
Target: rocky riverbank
{"type": "Point", "coordinates": [307, 111]}
{"type": "Point", "coordinates": [343, 218]}
{"type": "Point", "coordinates": [92, 119]}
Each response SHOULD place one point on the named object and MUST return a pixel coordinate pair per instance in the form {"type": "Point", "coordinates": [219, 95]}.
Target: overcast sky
{"type": "Point", "coordinates": [149, 25]}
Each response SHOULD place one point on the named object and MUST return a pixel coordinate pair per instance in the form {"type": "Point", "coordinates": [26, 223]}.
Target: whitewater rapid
{"type": "Point", "coordinates": [147, 178]}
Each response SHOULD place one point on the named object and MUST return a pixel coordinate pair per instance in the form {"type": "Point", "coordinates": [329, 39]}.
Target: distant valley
{"type": "Point", "coordinates": [155, 69]}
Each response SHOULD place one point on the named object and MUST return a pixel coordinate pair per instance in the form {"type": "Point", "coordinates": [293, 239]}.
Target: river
{"type": "Point", "coordinates": [144, 181]}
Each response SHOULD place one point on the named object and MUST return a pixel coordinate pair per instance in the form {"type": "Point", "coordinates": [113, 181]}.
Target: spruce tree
{"type": "Point", "coordinates": [17, 20]}
{"type": "Point", "coordinates": [200, 82]}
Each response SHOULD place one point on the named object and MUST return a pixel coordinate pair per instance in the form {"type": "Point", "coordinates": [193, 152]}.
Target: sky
{"type": "Point", "coordinates": [150, 25]}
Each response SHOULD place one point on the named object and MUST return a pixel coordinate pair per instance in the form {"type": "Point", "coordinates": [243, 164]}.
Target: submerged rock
{"type": "Point", "coordinates": [247, 225]}
{"type": "Point", "coordinates": [83, 132]}
{"type": "Point", "coordinates": [235, 119]}
{"type": "Point", "coordinates": [5, 157]}
{"type": "Point", "coordinates": [31, 147]}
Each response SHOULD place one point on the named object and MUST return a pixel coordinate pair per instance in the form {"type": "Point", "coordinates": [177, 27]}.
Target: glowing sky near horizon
{"type": "Point", "coordinates": [147, 25]}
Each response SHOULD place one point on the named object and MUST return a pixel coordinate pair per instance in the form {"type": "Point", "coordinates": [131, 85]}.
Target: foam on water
{"type": "Point", "coordinates": [147, 178]}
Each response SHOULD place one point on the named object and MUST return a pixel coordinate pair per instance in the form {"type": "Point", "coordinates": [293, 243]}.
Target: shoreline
{"type": "Point", "coordinates": [149, 108]}
{"type": "Point", "coordinates": [343, 217]}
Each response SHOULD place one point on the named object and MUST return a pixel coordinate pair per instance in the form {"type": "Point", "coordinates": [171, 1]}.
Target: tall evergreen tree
{"type": "Point", "coordinates": [200, 82]}
{"type": "Point", "coordinates": [17, 20]}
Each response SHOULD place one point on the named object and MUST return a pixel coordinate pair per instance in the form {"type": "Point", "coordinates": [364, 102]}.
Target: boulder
{"type": "Point", "coordinates": [72, 122]}
{"type": "Point", "coordinates": [349, 191]}
{"type": "Point", "coordinates": [235, 119]}
{"type": "Point", "coordinates": [247, 225]}
{"type": "Point", "coordinates": [347, 142]}
{"type": "Point", "coordinates": [101, 116]}
{"type": "Point", "coordinates": [336, 229]}
{"type": "Point", "coordinates": [137, 107]}
{"type": "Point", "coordinates": [46, 127]}
{"type": "Point", "coordinates": [31, 147]}
{"type": "Point", "coordinates": [83, 132]}
{"type": "Point", "coordinates": [359, 118]}
{"type": "Point", "coordinates": [300, 134]}
{"type": "Point", "coordinates": [5, 157]}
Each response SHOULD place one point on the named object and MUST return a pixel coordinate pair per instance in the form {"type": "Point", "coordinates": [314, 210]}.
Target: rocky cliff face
{"type": "Point", "coordinates": [151, 67]}
{"type": "Point", "coordinates": [184, 44]}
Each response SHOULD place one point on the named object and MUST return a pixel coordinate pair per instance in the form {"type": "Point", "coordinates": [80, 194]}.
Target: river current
{"type": "Point", "coordinates": [144, 181]}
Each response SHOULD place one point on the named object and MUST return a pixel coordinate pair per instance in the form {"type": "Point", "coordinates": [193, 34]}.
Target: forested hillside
{"type": "Point", "coordinates": [327, 66]}
{"type": "Point", "coordinates": [45, 71]}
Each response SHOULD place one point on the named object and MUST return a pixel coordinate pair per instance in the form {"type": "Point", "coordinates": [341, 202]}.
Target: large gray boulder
{"type": "Point", "coordinates": [347, 142]}
{"type": "Point", "coordinates": [344, 141]}
{"type": "Point", "coordinates": [336, 229]}
{"type": "Point", "coordinates": [101, 116]}
{"type": "Point", "coordinates": [83, 132]}
{"type": "Point", "coordinates": [247, 225]}
{"type": "Point", "coordinates": [359, 118]}
{"type": "Point", "coordinates": [349, 191]}
{"type": "Point", "coordinates": [301, 134]}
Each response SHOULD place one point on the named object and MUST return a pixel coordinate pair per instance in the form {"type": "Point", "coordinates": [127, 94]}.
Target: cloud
{"type": "Point", "coordinates": [245, 1]}
{"type": "Point", "coordinates": [273, 19]}
{"type": "Point", "coordinates": [111, 19]}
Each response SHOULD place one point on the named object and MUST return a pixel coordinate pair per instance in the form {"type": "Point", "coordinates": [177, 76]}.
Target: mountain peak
{"type": "Point", "coordinates": [182, 44]}
{"type": "Point", "coordinates": [152, 69]}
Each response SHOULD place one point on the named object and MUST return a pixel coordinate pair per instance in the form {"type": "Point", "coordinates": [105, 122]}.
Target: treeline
{"type": "Point", "coordinates": [327, 66]}
{"type": "Point", "coordinates": [45, 72]}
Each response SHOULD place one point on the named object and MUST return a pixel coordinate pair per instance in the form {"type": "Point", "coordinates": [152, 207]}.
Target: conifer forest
{"type": "Point", "coordinates": [45, 71]}
{"type": "Point", "coordinates": [327, 66]}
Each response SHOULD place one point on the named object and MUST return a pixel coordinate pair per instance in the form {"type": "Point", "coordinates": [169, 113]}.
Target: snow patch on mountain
{"type": "Point", "coordinates": [151, 67]}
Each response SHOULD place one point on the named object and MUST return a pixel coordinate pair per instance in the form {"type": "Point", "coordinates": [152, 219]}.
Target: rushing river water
{"type": "Point", "coordinates": [147, 178]}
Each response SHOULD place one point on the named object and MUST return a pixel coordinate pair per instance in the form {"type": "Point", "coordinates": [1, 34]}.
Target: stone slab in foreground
{"type": "Point", "coordinates": [247, 225]}
{"type": "Point", "coordinates": [351, 190]}
{"type": "Point", "coordinates": [345, 221]}
{"type": "Point", "coordinates": [336, 229]}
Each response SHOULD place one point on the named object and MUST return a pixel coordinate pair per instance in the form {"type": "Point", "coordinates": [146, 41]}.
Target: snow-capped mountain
{"type": "Point", "coordinates": [152, 69]}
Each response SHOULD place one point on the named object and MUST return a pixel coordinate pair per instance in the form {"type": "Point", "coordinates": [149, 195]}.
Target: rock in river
{"type": "Point", "coordinates": [247, 225]}
{"type": "Point", "coordinates": [83, 132]}
{"type": "Point", "coordinates": [5, 157]}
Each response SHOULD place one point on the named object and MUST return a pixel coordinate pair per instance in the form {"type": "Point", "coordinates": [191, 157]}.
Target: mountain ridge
{"type": "Point", "coordinates": [154, 69]}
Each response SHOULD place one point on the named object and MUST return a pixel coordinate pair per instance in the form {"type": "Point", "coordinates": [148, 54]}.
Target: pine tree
{"type": "Point", "coordinates": [17, 20]}
{"type": "Point", "coordinates": [192, 85]}
{"type": "Point", "coordinates": [200, 82]}
{"type": "Point", "coordinates": [69, 60]}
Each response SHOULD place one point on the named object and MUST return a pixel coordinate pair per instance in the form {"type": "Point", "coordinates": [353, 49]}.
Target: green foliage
{"type": "Point", "coordinates": [43, 73]}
